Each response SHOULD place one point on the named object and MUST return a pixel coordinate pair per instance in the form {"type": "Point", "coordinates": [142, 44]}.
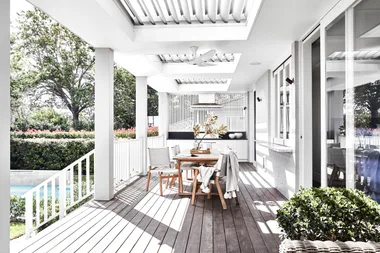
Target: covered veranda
{"type": "Point", "coordinates": [253, 40]}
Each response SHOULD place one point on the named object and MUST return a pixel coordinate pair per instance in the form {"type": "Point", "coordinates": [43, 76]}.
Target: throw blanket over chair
{"type": "Point", "coordinates": [159, 162]}
{"type": "Point", "coordinates": [226, 168]}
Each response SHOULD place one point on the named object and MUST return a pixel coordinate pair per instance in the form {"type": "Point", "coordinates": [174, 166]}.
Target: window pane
{"type": "Point", "coordinates": [366, 58]}
{"type": "Point", "coordinates": [335, 90]}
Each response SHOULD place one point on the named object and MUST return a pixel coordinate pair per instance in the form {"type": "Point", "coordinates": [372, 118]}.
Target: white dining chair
{"type": "Point", "coordinates": [185, 166]}
{"type": "Point", "coordinates": [159, 163]}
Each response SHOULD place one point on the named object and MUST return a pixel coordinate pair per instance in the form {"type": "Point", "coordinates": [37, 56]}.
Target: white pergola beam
{"type": "Point", "coordinates": [142, 117]}
{"type": "Point", "coordinates": [5, 116]}
{"type": "Point", "coordinates": [104, 134]}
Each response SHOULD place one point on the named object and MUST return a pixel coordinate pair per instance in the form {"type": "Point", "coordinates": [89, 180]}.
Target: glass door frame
{"type": "Point", "coordinates": [343, 7]}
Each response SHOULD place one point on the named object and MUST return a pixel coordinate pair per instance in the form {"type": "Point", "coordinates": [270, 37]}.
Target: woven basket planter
{"type": "Point", "coordinates": [289, 246]}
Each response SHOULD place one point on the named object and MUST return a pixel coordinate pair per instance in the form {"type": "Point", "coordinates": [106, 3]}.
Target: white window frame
{"type": "Point", "coordinates": [282, 132]}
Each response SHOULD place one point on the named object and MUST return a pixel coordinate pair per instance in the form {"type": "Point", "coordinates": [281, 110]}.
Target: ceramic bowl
{"type": "Point", "coordinates": [232, 136]}
{"type": "Point", "coordinates": [238, 135]}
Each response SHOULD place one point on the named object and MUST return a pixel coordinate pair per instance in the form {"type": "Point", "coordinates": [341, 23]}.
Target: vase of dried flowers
{"type": "Point", "coordinates": [208, 128]}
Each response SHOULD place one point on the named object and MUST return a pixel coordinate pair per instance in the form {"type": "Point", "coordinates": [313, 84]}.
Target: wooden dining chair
{"type": "Point", "coordinates": [215, 181]}
{"type": "Point", "coordinates": [338, 158]}
{"type": "Point", "coordinates": [159, 163]}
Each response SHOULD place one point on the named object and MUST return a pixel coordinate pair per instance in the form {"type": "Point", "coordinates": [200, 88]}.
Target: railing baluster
{"type": "Point", "coordinates": [62, 194]}
{"type": "Point", "coordinates": [38, 206]}
{"type": "Point", "coordinates": [87, 174]}
{"type": "Point", "coordinates": [72, 185]}
{"type": "Point", "coordinates": [28, 214]}
{"type": "Point", "coordinates": [80, 180]}
{"type": "Point", "coordinates": [45, 201]}
{"type": "Point", "coordinates": [53, 197]}
{"type": "Point", "coordinates": [42, 205]}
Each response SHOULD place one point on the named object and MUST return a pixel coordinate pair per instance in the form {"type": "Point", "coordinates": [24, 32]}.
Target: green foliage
{"type": "Point", "coordinates": [367, 104]}
{"type": "Point", "coordinates": [47, 119]}
{"type": "Point", "coordinates": [53, 135]}
{"type": "Point", "coordinates": [59, 63]}
{"type": "Point", "coordinates": [119, 134]}
{"type": "Point", "coordinates": [330, 214]}
{"type": "Point", "coordinates": [47, 154]}
{"type": "Point", "coordinates": [125, 99]}
{"type": "Point", "coordinates": [17, 208]}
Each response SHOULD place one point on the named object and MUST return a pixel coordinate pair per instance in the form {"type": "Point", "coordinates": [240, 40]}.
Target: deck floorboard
{"type": "Point", "coordinates": [140, 221]}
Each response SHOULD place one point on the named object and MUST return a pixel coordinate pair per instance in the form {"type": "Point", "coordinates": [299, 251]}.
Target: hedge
{"type": "Point", "coordinates": [47, 154]}
{"type": "Point", "coordinates": [335, 214]}
{"type": "Point", "coordinates": [58, 134]}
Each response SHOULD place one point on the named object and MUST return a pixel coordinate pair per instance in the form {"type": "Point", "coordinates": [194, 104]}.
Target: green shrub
{"type": "Point", "coordinates": [53, 135]}
{"type": "Point", "coordinates": [330, 214]}
{"type": "Point", "coordinates": [17, 208]}
{"type": "Point", "coordinates": [47, 154]}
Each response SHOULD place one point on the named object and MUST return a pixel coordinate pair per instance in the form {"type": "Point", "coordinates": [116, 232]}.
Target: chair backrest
{"type": "Point", "coordinates": [158, 156]}
{"type": "Point", "coordinates": [338, 157]}
{"type": "Point", "coordinates": [177, 149]}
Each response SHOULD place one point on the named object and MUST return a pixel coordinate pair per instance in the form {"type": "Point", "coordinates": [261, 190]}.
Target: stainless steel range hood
{"type": "Point", "coordinates": [206, 102]}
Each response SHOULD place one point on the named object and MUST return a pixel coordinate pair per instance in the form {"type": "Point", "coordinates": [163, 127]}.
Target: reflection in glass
{"type": "Point", "coordinates": [335, 90]}
{"type": "Point", "coordinates": [366, 80]}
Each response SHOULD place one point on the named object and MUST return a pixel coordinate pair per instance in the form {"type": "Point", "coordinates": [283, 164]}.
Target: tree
{"type": "Point", "coordinates": [59, 62]}
{"type": "Point", "coordinates": [125, 99]}
{"type": "Point", "coordinates": [152, 102]}
{"type": "Point", "coordinates": [367, 97]}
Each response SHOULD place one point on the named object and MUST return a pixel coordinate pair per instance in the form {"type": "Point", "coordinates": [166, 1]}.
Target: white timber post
{"type": "Point", "coordinates": [104, 134]}
{"type": "Point", "coordinates": [142, 117]}
{"type": "Point", "coordinates": [5, 109]}
{"type": "Point", "coordinates": [163, 113]}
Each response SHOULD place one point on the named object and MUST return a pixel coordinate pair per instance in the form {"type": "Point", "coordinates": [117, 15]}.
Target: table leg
{"type": "Point", "coordinates": [180, 183]}
{"type": "Point", "coordinates": [194, 187]}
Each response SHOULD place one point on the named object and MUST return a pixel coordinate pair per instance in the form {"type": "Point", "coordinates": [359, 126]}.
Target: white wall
{"type": "Point", "coordinates": [279, 168]}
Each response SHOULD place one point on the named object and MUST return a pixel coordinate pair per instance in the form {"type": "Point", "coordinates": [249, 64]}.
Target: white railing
{"type": "Point", "coordinates": [62, 191]}
{"type": "Point", "coordinates": [127, 160]}
{"type": "Point", "coordinates": [156, 141]}
{"type": "Point", "coordinates": [128, 157]}
{"type": "Point", "coordinates": [53, 197]}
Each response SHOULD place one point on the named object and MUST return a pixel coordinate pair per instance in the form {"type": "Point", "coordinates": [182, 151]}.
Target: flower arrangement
{"type": "Point", "coordinates": [210, 128]}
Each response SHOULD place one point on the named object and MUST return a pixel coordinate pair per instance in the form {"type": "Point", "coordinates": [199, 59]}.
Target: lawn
{"type": "Point", "coordinates": [17, 229]}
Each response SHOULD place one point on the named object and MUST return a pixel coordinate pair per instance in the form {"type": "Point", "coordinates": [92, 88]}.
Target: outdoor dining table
{"type": "Point", "coordinates": [197, 158]}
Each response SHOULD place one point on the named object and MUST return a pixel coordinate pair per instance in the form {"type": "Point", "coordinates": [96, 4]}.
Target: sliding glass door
{"type": "Point", "coordinates": [352, 95]}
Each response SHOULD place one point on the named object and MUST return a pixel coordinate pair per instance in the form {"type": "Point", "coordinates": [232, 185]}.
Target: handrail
{"type": "Point", "coordinates": [33, 217]}
{"type": "Point", "coordinates": [71, 191]}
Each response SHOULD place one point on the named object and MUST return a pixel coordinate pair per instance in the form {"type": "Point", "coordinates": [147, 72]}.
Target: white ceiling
{"type": "Point", "coordinates": [264, 38]}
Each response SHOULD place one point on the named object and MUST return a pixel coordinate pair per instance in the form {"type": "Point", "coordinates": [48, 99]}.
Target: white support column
{"type": "Point", "coordinates": [163, 113]}
{"type": "Point", "coordinates": [4, 123]}
{"type": "Point", "coordinates": [142, 117]}
{"type": "Point", "coordinates": [104, 135]}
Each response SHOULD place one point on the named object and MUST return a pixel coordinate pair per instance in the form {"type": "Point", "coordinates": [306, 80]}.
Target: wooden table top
{"type": "Point", "coordinates": [186, 156]}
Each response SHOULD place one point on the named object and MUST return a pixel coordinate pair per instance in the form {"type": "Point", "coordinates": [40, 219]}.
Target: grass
{"type": "Point", "coordinates": [17, 229]}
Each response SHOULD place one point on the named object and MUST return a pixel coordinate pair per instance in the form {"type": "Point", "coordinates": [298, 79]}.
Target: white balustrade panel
{"type": "Point", "coordinates": [53, 197]}
{"type": "Point", "coordinates": [156, 141]}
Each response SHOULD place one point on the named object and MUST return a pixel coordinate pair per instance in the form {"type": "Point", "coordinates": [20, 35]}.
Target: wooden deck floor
{"type": "Point", "coordinates": [139, 221]}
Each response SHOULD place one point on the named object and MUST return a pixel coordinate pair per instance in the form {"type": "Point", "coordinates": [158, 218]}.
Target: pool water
{"type": "Point", "coordinates": [19, 190]}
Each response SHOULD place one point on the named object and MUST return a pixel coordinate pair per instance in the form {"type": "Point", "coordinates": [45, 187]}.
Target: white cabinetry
{"type": "Point", "coordinates": [240, 146]}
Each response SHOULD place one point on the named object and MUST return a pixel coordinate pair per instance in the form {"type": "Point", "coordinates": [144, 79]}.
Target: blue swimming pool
{"type": "Point", "coordinates": [19, 190]}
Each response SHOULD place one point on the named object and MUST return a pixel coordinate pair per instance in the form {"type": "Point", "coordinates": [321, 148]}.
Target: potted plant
{"type": "Point", "coordinates": [333, 215]}
{"type": "Point", "coordinates": [209, 128]}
